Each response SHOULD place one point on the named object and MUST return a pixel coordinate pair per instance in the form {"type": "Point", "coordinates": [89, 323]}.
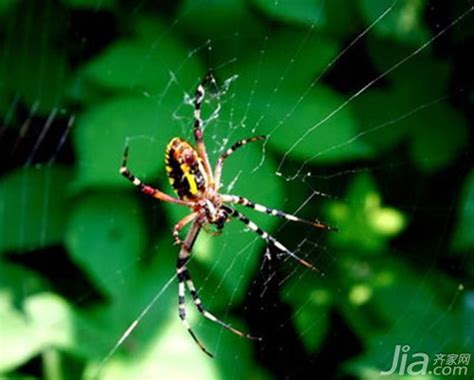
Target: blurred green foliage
{"type": "Point", "coordinates": [133, 90]}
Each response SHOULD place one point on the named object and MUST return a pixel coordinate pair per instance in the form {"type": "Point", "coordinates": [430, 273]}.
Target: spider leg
{"type": "Point", "coordinates": [149, 190]}
{"type": "Point", "coordinates": [228, 152]}
{"type": "Point", "coordinates": [198, 303]}
{"type": "Point", "coordinates": [198, 132]}
{"type": "Point", "coordinates": [181, 270]}
{"type": "Point", "coordinates": [270, 239]}
{"type": "Point", "coordinates": [180, 225]}
{"type": "Point", "coordinates": [270, 211]}
{"type": "Point", "coordinates": [184, 279]}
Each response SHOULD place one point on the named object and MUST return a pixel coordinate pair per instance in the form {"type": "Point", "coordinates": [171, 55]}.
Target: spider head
{"type": "Point", "coordinates": [189, 157]}
{"type": "Point", "coordinates": [220, 223]}
{"type": "Point", "coordinates": [212, 213]}
{"type": "Point", "coordinates": [222, 218]}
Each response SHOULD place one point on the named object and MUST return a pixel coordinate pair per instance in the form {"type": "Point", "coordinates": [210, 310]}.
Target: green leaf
{"type": "Point", "coordinates": [464, 235]}
{"type": "Point", "coordinates": [33, 207]}
{"type": "Point", "coordinates": [362, 220]}
{"type": "Point", "coordinates": [342, 19]}
{"type": "Point", "coordinates": [47, 322]}
{"type": "Point", "coordinates": [311, 303]}
{"type": "Point", "coordinates": [106, 234]}
{"type": "Point", "coordinates": [102, 133]}
{"type": "Point", "coordinates": [164, 356]}
{"type": "Point", "coordinates": [426, 77]}
{"type": "Point", "coordinates": [231, 31]}
{"type": "Point", "coordinates": [413, 108]}
{"type": "Point", "coordinates": [307, 12]}
{"type": "Point", "coordinates": [439, 136]}
{"type": "Point", "coordinates": [403, 22]}
{"type": "Point", "coordinates": [5, 5]}
{"type": "Point", "coordinates": [33, 68]}
{"type": "Point", "coordinates": [142, 285]}
{"type": "Point", "coordinates": [315, 131]}
{"type": "Point", "coordinates": [300, 120]}
{"type": "Point", "coordinates": [165, 353]}
{"type": "Point", "coordinates": [20, 283]}
{"type": "Point", "coordinates": [17, 345]}
{"type": "Point", "coordinates": [223, 18]}
{"type": "Point", "coordinates": [305, 123]}
{"type": "Point", "coordinates": [40, 86]}
{"type": "Point", "coordinates": [57, 324]}
{"type": "Point", "coordinates": [336, 17]}
{"type": "Point", "coordinates": [400, 301]}
{"type": "Point", "coordinates": [144, 65]}
{"type": "Point", "coordinates": [380, 114]}
{"type": "Point", "coordinates": [267, 67]}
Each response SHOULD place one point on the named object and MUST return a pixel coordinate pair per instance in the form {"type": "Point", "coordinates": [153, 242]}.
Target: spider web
{"type": "Point", "coordinates": [89, 265]}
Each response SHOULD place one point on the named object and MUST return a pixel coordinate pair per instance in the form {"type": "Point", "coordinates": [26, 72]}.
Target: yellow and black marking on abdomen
{"type": "Point", "coordinates": [185, 169]}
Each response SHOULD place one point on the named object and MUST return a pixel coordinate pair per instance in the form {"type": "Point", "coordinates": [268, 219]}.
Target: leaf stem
{"type": "Point", "coordinates": [52, 364]}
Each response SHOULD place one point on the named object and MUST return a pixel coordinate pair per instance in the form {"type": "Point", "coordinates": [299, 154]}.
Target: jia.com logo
{"type": "Point", "coordinates": [418, 363]}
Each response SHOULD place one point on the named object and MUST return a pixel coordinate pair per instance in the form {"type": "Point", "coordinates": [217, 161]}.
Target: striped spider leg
{"type": "Point", "coordinates": [198, 132]}
{"type": "Point", "coordinates": [180, 225]}
{"type": "Point", "coordinates": [271, 211]}
{"type": "Point", "coordinates": [184, 278]}
{"type": "Point", "coordinates": [147, 189]}
{"type": "Point", "coordinates": [268, 238]}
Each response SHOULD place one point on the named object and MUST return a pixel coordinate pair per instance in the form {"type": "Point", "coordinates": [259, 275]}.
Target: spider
{"type": "Point", "coordinates": [197, 186]}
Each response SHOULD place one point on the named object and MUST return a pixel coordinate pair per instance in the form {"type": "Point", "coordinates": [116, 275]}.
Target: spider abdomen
{"type": "Point", "coordinates": [185, 169]}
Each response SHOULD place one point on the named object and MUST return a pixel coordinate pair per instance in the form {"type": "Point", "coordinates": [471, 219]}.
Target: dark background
{"type": "Point", "coordinates": [82, 253]}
